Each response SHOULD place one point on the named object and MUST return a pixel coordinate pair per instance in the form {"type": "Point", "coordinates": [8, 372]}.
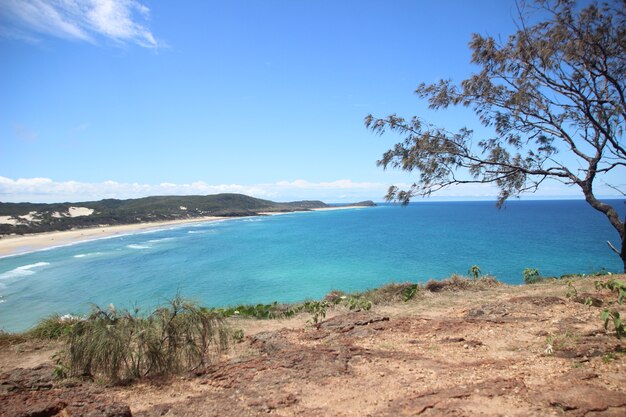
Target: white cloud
{"type": "Point", "coordinates": [343, 190]}
{"type": "Point", "coordinates": [81, 20]}
{"type": "Point", "coordinates": [339, 184]}
{"type": "Point", "coordinates": [47, 190]}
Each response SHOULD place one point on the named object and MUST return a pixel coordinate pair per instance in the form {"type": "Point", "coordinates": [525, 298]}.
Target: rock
{"type": "Point", "coordinates": [33, 379]}
{"type": "Point", "coordinates": [269, 342]}
{"type": "Point", "coordinates": [582, 398]}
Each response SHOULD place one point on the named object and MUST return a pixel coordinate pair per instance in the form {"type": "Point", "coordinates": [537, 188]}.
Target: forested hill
{"type": "Point", "coordinates": [38, 217]}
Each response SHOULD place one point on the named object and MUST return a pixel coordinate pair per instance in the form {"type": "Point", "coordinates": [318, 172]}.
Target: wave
{"type": "Point", "coordinates": [201, 232]}
{"type": "Point", "coordinates": [164, 239]}
{"type": "Point", "coordinates": [138, 246]}
{"type": "Point", "coordinates": [253, 220]}
{"type": "Point", "coordinates": [22, 271]}
{"type": "Point", "coordinates": [84, 255]}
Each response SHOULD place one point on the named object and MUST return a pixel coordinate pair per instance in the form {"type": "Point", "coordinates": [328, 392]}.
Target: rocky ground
{"type": "Point", "coordinates": [501, 351]}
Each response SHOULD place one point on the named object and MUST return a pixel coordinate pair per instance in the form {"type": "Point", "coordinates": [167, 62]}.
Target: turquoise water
{"type": "Point", "coordinates": [305, 255]}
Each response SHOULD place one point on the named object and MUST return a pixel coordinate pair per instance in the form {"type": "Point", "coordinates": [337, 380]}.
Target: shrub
{"type": "Point", "coordinates": [459, 283]}
{"type": "Point", "coordinates": [531, 276]}
{"type": "Point", "coordinates": [259, 311]}
{"type": "Point", "coordinates": [409, 292]}
{"type": "Point", "coordinates": [335, 296]}
{"type": "Point", "coordinates": [123, 345]}
{"type": "Point", "coordinates": [474, 271]}
{"type": "Point", "coordinates": [390, 293]}
{"type": "Point", "coordinates": [317, 309]}
{"type": "Point", "coordinates": [435, 286]}
{"type": "Point", "coordinates": [54, 327]}
{"type": "Point", "coordinates": [454, 283]}
{"type": "Point", "coordinates": [358, 303]}
{"type": "Point", "coordinates": [612, 315]}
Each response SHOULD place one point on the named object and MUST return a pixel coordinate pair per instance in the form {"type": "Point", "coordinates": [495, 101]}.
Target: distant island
{"type": "Point", "coordinates": [24, 218]}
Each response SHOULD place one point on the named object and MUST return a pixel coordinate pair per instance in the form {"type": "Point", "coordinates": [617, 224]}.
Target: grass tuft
{"type": "Point", "coordinates": [461, 283]}
{"type": "Point", "coordinates": [121, 345]}
{"type": "Point", "coordinates": [53, 327]}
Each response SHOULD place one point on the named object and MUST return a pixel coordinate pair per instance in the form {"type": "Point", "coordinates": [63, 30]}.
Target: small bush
{"type": "Point", "coordinates": [474, 271]}
{"type": "Point", "coordinates": [435, 286]}
{"type": "Point", "coordinates": [317, 309]}
{"type": "Point", "coordinates": [54, 327]}
{"type": "Point", "coordinates": [238, 335]}
{"type": "Point", "coordinates": [531, 276]}
{"type": "Point", "coordinates": [459, 283]}
{"type": "Point", "coordinates": [335, 296]}
{"type": "Point", "coordinates": [391, 293]}
{"type": "Point", "coordinates": [119, 345]}
{"type": "Point", "coordinates": [612, 315]}
{"type": "Point", "coordinates": [259, 311]}
{"type": "Point", "coordinates": [454, 283]}
{"type": "Point", "coordinates": [409, 292]}
{"type": "Point", "coordinates": [358, 303]}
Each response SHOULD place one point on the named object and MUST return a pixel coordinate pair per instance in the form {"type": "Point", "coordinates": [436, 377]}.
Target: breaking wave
{"type": "Point", "coordinates": [22, 271]}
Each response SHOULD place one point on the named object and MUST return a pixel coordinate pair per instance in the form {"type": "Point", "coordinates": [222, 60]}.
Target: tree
{"type": "Point", "coordinates": [554, 95]}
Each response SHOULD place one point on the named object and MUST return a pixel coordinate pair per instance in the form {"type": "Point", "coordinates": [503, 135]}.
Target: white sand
{"type": "Point", "coordinates": [14, 244]}
{"type": "Point", "coordinates": [80, 211]}
{"type": "Point", "coordinates": [8, 220]}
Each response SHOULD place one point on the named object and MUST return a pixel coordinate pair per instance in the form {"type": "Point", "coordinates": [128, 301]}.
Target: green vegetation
{"type": "Point", "coordinates": [120, 345]}
{"type": "Point", "coordinates": [54, 327]}
{"type": "Point", "coordinates": [317, 310]}
{"type": "Point", "coordinates": [238, 335]}
{"type": "Point", "coordinates": [358, 303]}
{"type": "Point", "coordinates": [49, 217]}
{"type": "Point", "coordinates": [456, 283]}
{"type": "Point", "coordinates": [258, 311]}
{"type": "Point", "coordinates": [600, 273]}
{"type": "Point", "coordinates": [531, 276]}
{"type": "Point", "coordinates": [116, 345]}
{"type": "Point", "coordinates": [409, 292]}
{"type": "Point", "coordinates": [611, 314]}
{"type": "Point", "coordinates": [560, 341]}
{"type": "Point", "coordinates": [474, 271]}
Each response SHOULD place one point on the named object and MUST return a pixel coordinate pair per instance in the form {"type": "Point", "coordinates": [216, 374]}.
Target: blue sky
{"type": "Point", "coordinates": [123, 98]}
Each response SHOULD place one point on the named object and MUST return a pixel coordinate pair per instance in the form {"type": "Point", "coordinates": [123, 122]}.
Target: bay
{"type": "Point", "coordinates": [297, 256]}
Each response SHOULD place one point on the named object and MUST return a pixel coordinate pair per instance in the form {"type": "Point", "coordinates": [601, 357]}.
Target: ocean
{"type": "Point", "coordinates": [298, 256]}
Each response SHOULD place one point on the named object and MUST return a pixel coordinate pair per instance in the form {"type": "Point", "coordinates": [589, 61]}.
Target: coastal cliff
{"type": "Point", "coordinates": [463, 347]}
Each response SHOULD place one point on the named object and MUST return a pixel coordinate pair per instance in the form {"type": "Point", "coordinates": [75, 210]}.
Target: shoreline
{"type": "Point", "coordinates": [22, 244]}
{"type": "Point", "coordinates": [14, 245]}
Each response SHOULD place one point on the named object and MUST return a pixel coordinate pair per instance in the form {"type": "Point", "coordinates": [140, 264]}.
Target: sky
{"type": "Point", "coordinates": [129, 98]}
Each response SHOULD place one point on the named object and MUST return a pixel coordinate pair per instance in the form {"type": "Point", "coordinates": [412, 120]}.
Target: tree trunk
{"type": "Point", "coordinates": [622, 250]}
{"type": "Point", "coordinates": [613, 217]}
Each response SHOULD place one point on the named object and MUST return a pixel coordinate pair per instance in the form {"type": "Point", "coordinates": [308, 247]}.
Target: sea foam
{"type": "Point", "coordinates": [138, 246]}
{"type": "Point", "coordinates": [84, 255]}
{"type": "Point", "coordinates": [164, 239]}
{"type": "Point", "coordinates": [200, 232]}
{"type": "Point", "coordinates": [22, 271]}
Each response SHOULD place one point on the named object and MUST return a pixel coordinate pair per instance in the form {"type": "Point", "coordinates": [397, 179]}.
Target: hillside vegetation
{"type": "Point", "coordinates": [24, 218]}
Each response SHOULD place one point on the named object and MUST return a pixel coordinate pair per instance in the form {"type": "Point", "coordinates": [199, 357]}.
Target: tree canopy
{"type": "Point", "coordinates": [553, 94]}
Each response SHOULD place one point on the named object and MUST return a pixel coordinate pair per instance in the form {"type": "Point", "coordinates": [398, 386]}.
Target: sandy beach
{"type": "Point", "coordinates": [16, 244]}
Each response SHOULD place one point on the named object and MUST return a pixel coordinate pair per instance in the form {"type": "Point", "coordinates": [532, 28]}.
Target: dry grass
{"type": "Point", "coordinates": [460, 283]}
